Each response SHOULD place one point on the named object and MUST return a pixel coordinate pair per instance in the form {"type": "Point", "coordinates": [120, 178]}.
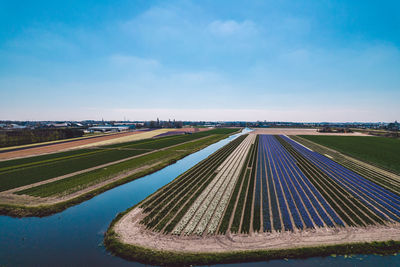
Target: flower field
{"type": "Point", "coordinates": [269, 183]}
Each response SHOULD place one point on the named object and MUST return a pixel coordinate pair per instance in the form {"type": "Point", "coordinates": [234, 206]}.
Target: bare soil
{"type": "Point", "coordinates": [131, 232]}
{"type": "Point", "coordinates": [52, 148]}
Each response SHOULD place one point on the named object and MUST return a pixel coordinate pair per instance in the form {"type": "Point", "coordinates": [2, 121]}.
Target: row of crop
{"type": "Point", "coordinates": [249, 199]}
{"type": "Point", "coordinates": [370, 195]}
{"type": "Point", "coordinates": [186, 178]}
{"type": "Point", "coordinates": [171, 140]}
{"type": "Point", "coordinates": [191, 179]}
{"type": "Point", "coordinates": [237, 219]}
{"type": "Point", "coordinates": [300, 192]}
{"type": "Point", "coordinates": [184, 203]}
{"type": "Point", "coordinates": [296, 190]}
{"type": "Point", "coordinates": [275, 214]}
{"type": "Point", "coordinates": [165, 203]}
{"type": "Point", "coordinates": [350, 209]}
{"type": "Point", "coordinates": [351, 177]}
{"type": "Point", "coordinates": [317, 178]}
{"type": "Point", "coordinates": [43, 159]}
{"type": "Point", "coordinates": [313, 194]}
{"type": "Point", "coordinates": [294, 202]}
{"type": "Point", "coordinates": [29, 175]}
{"type": "Point", "coordinates": [215, 221]}
{"type": "Point", "coordinates": [230, 209]}
{"type": "Point", "coordinates": [154, 199]}
{"type": "Point", "coordinates": [266, 216]}
{"type": "Point", "coordinates": [257, 193]}
{"type": "Point", "coordinates": [363, 209]}
{"type": "Point", "coordinates": [209, 198]}
{"type": "Point", "coordinates": [78, 182]}
{"type": "Point", "coordinates": [287, 223]}
{"type": "Point", "coordinates": [364, 170]}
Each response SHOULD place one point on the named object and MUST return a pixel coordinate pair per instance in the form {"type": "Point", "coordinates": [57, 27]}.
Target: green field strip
{"type": "Point", "coordinates": [32, 174]}
{"type": "Point", "coordinates": [229, 212]}
{"type": "Point", "coordinates": [44, 159]}
{"type": "Point", "coordinates": [368, 173]}
{"type": "Point", "coordinates": [192, 196]}
{"type": "Point", "coordinates": [189, 145]}
{"type": "Point", "coordinates": [78, 182]}
{"type": "Point", "coordinates": [195, 176]}
{"type": "Point", "coordinates": [171, 140]}
{"type": "Point", "coordinates": [249, 199]}
{"type": "Point", "coordinates": [35, 174]}
{"type": "Point", "coordinates": [360, 214]}
{"type": "Point", "coordinates": [379, 151]}
{"type": "Point", "coordinates": [88, 178]}
{"type": "Point", "coordinates": [155, 199]}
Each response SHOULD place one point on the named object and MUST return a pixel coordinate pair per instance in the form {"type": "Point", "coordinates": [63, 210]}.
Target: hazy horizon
{"type": "Point", "coordinates": [303, 61]}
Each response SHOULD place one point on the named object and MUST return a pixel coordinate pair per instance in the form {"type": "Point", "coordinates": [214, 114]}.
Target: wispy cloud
{"type": "Point", "coordinates": [232, 27]}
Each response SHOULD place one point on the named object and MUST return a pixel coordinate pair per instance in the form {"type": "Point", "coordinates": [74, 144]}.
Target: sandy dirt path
{"type": "Point", "coordinates": [131, 232]}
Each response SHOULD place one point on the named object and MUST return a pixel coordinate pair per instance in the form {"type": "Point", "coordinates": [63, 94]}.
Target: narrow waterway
{"type": "Point", "coordinates": [74, 237]}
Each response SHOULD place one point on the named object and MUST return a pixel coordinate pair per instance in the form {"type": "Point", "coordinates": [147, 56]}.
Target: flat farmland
{"type": "Point", "coordinates": [58, 146]}
{"type": "Point", "coordinates": [263, 192]}
{"type": "Point", "coordinates": [53, 178]}
{"type": "Point", "coordinates": [381, 151]}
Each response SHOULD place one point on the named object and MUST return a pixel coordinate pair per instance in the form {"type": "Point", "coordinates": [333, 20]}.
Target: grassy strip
{"type": "Point", "coordinates": [25, 176]}
{"type": "Point", "coordinates": [43, 159]}
{"type": "Point", "coordinates": [249, 201]}
{"type": "Point", "coordinates": [171, 258]}
{"type": "Point", "coordinates": [47, 210]}
{"type": "Point", "coordinates": [379, 151]}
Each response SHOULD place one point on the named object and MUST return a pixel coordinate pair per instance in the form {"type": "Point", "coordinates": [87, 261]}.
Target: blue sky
{"type": "Point", "coordinates": [200, 60]}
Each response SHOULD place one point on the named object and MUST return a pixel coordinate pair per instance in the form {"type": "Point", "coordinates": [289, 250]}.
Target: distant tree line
{"type": "Point", "coordinates": [163, 124]}
{"type": "Point", "coordinates": [29, 136]}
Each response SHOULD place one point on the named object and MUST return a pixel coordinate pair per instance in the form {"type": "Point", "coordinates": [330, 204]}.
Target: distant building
{"type": "Point", "coordinates": [108, 128]}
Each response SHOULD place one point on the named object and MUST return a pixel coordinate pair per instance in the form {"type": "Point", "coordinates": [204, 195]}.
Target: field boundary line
{"type": "Point", "coordinates": [88, 170]}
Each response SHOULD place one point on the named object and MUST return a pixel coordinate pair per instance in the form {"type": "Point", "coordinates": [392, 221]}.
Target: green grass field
{"type": "Point", "coordinates": [19, 172]}
{"type": "Point", "coordinates": [380, 151]}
